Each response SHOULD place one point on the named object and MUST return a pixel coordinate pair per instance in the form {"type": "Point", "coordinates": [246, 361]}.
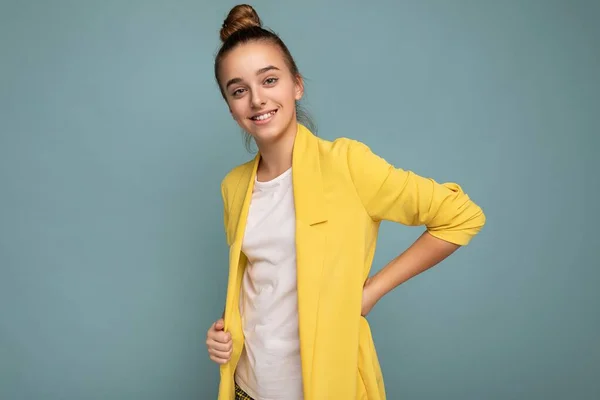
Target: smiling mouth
{"type": "Point", "coordinates": [262, 117]}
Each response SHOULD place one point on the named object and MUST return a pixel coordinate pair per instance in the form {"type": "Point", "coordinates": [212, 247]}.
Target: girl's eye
{"type": "Point", "coordinates": [270, 81]}
{"type": "Point", "coordinates": [238, 92]}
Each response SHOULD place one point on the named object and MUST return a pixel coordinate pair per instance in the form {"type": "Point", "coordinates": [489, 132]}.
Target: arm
{"type": "Point", "coordinates": [388, 193]}
{"type": "Point", "coordinates": [424, 253]}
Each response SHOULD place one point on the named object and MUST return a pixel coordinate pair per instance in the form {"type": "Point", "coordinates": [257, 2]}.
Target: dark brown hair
{"type": "Point", "coordinates": [243, 25]}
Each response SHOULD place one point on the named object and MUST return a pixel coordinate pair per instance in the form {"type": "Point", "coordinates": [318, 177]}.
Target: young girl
{"type": "Point", "coordinates": [301, 220]}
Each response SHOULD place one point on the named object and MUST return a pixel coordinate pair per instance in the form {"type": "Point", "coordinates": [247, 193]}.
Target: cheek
{"type": "Point", "coordinates": [237, 110]}
{"type": "Point", "coordinates": [287, 96]}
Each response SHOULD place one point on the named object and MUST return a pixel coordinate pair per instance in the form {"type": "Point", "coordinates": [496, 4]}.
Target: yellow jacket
{"type": "Point", "coordinates": [341, 192]}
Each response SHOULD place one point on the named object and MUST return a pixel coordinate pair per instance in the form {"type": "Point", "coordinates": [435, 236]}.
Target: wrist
{"type": "Point", "coordinates": [377, 286]}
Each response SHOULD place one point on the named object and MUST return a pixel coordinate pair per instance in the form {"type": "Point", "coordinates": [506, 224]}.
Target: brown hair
{"type": "Point", "coordinates": [243, 25]}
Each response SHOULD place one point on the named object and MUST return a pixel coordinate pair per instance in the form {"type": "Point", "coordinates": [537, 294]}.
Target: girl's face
{"type": "Point", "coordinates": [260, 90]}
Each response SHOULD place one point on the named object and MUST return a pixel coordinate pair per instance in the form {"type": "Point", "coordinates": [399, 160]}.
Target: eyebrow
{"type": "Point", "coordinates": [260, 71]}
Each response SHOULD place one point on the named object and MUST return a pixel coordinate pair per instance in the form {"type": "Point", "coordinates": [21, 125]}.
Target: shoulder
{"type": "Point", "coordinates": [236, 172]}
{"type": "Point", "coordinates": [346, 151]}
{"type": "Point", "coordinates": [231, 179]}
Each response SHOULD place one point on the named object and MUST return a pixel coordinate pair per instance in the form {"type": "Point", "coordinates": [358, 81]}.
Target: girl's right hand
{"type": "Point", "coordinates": [219, 343]}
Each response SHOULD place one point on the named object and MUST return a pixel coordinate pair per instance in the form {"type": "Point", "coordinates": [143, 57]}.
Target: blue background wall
{"type": "Point", "coordinates": [114, 139]}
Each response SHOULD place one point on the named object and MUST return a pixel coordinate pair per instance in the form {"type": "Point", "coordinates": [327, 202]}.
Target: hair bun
{"type": "Point", "coordinates": [240, 17]}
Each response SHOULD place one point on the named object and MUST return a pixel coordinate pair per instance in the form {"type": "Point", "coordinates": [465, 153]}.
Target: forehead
{"type": "Point", "coordinates": [244, 60]}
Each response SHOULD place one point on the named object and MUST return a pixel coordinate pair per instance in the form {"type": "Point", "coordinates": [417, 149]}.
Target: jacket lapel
{"type": "Point", "coordinates": [238, 213]}
{"type": "Point", "coordinates": [309, 196]}
{"type": "Point", "coordinates": [239, 207]}
{"type": "Point", "coordinates": [311, 212]}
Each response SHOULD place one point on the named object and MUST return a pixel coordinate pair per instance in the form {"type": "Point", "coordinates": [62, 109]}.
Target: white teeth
{"type": "Point", "coordinates": [264, 116]}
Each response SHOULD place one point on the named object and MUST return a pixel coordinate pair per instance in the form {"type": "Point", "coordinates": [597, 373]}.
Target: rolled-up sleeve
{"type": "Point", "coordinates": [394, 194]}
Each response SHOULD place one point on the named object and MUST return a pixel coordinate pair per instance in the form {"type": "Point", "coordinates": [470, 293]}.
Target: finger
{"type": "Point", "coordinates": [216, 334]}
{"type": "Point", "coordinates": [219, 346]}
{"type": "Point", "coordinates": [220, 336]}
{"type": "Point", "coordinates": [219, 325]}
{"type": "Point", "coordinates": [220, 354]}
{"type": "Point", "coordinates": [218, 360]}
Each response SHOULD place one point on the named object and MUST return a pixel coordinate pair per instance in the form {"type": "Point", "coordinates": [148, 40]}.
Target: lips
{"type": "Point", "coordinates": [263, 116]}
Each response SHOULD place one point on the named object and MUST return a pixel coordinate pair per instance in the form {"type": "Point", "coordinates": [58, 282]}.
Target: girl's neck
{"type": "Point", "coordinates": [276, 156]}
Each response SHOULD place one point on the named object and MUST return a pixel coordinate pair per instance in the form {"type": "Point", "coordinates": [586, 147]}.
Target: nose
{"type": "Point", "coordinates": [257, 99]}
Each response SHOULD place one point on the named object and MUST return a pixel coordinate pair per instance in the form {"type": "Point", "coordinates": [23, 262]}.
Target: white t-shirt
{"type": "Point", "coordinates": [269, 367]}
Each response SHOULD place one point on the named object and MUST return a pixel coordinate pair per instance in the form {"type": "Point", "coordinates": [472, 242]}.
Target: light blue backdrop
{"type": "Point", "coordinates": [114, 140]}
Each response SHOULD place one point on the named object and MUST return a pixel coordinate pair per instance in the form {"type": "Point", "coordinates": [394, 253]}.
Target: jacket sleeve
{"type": "Point", "coordinates": [394, 194]}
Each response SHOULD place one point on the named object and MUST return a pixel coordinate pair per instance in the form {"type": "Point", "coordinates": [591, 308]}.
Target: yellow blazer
{"type": "Point", "coordinates": [342, 191]}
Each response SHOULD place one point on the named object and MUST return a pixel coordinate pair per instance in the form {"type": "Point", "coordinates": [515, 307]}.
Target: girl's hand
{"type": "Point", "coordinates": [369, 297]}
{"type": "Point", "coordinates": [219, 343]}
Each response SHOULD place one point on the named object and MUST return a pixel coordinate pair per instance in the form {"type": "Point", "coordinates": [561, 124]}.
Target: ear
{"type": "Point", "coordinates": [299, 89]}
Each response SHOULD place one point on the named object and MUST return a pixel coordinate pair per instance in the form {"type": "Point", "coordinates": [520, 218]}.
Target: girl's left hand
{"type": "Point", "coordinates": [369, 297]}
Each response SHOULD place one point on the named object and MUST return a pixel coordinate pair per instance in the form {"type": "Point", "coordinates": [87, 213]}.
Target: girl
{"type": "Point", "coordinates": [301, 220]}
